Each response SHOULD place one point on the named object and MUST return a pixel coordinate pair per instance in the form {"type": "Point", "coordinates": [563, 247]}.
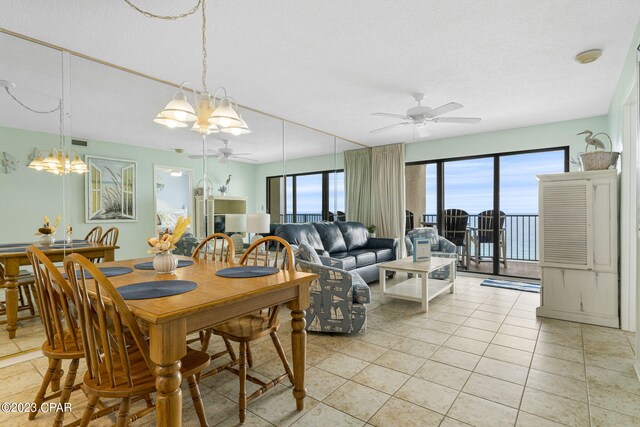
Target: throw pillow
{"type": "Point", "coordinates": [307, 253]}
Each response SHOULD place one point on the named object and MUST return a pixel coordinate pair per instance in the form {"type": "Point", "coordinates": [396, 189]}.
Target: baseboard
{"type": "Point", "coordinates": [577, 316]}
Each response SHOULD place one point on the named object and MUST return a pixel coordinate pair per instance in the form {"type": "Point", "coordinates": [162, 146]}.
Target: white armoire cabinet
{"type": "Point", "coordinates": [579, 247]}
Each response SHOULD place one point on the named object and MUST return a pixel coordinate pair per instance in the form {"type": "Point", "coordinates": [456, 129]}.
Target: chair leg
{"type": "Point", "coordinates": [205, 338]}
{"type": "Point", "coordinates": [242, 398]}
{"type": "Point", "coordinates": [66, 392]}
{"type": "Point", "coordinates": [53, 366]}
{"type": "Point", "coordinates": [232, 353]}
{"type": "Point", "coordinates": [88, 412]}
{"type": "Point", "coordinates": [27, 293]}
{"type": "Point", "coordinates": [57, 376]}
{"type": "Point", "coordinates": [123, 413]}
{"type": "Point", "coordinates": [249, 356]}
{"type": "Point", "coordinates": [194, 390]}
{"type": "Point", "coordinates": [283, 356]}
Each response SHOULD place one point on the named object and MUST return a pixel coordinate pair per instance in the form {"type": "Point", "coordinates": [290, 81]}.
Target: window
{"type": "Point", "coordinates": [96, 190]}
{"type": "Point", "coordinates": [309, 197]}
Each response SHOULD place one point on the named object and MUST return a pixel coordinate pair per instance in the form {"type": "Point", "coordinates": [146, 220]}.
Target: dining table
{"type": "Point", "coordinates": [168, 320]}
{"type": "Point", "coordinates": [14, 255]}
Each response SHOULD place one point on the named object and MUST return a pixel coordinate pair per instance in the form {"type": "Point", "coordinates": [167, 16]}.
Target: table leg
{"type": "Point", "coordinates": [109, 255]}
{"type": "Point", "coordinates": [425, 292]}
{"type": "Point", "coordinates": [452, 277]}
{"type": "Point", "coordinates": [382, 278]}
{"type": "Point", "coordinates": [167, 345]}
{"type": "Point", "coordinates": [11, 271]}
{"type": "Point", "coordinates": [299, 344]}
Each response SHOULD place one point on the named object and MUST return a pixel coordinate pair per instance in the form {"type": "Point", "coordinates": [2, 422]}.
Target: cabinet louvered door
{"type": "Point", "coordinates": [566, 216]}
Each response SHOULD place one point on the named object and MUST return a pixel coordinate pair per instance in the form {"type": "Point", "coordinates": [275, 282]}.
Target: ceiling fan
{"type": "Point", "coordinates": [421, 115]}
{"type": "Point", "coordinates": [224, 154]}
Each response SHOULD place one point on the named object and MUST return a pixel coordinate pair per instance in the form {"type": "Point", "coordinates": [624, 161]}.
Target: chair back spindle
{"type": "Point", "coordinates": [94, 235]}
{"type": "Point", "coordinates": [215, 247]}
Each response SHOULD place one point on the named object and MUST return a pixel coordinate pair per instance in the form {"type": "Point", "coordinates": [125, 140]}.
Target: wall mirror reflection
{"type": "Point", "coordinates": [173, 190]}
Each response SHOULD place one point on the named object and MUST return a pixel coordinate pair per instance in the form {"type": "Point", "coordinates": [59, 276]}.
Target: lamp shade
{"type": "Point", "coordinates": [258, 223]}
{"type": "Point", "coordinates": [224, 115]}
{"type": "Point", "coordinates": [236, 223]}
{"type": "Point", "coordinates": [170, 123]}
{"type": "Point", "coordinates": [179, 109]}
{"type": "Point", "coordinates": [237, 129]}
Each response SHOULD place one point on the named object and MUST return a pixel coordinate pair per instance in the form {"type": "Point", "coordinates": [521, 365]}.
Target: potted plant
{"type": "Point", "coordinates": [372, 230]}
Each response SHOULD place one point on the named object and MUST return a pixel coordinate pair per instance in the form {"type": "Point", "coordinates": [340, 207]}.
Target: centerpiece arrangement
{"type": "Point", "coordinates": [47, 231]}
{"type": "Point", "coordinates": [165, 261]}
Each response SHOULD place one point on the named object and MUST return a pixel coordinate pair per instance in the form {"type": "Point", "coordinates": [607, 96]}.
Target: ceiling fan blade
{"type": "Point", "coordinates": [390, 126]}
{"type": "Point", "coordinates": [241, 154]}
{"type": "Point", "coordinates": [245, 158]}
{"type": "Point", "coordinates": [396, 116]}
{"type": "Point", "coordinates": [467, 120]}
{"type": "Point", "coordinates": [444, 109]}
{"type": "Point", "coordinates": [196, 156]}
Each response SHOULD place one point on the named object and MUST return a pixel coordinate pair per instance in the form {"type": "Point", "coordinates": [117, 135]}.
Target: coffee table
{"type": "Point", "coordinates": [418, 288]}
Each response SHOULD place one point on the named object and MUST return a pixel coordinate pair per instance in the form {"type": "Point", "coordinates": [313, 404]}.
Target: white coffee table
{"type": "Point", "coordinates": [418, 288]}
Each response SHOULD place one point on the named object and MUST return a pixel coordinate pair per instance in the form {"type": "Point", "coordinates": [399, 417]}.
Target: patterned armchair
{"type": "Point", "coordinates": [186, 245]}
{"type": "Point", "coordinates": [338, 299]}
{"type": "Point", "coordinates": [440, 247]}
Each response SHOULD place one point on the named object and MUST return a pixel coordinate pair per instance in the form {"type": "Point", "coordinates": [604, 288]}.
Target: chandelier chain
{"type": "Point", "coordinates": [191, 11]}
{"type": "Point", "coordinates": [59, 107]}
{"type": "Point", "coordinates": [204, 47]}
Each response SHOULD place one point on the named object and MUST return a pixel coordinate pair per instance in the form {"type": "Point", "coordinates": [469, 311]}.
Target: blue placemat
{"type": "Point", "coordinates": [22, 249]}
{"type": "Point", "coordinates": [72, 245]}
{"type": "Point", "coordinates": [16, 245]}
{"type": "Point", "coordinates": [247, 271]}
{"type": "Point", "coordinates": [149, 264]}
{"type": "Point", "coordinates": [156, 289]}
{"type": "Point", "coordinates": [107, 271]}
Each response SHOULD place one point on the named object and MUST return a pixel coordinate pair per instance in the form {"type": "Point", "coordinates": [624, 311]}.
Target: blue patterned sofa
{"type": "Point", "coordinates": [440, 247]}
{"type": "Point", "coordinates": [338, 297]}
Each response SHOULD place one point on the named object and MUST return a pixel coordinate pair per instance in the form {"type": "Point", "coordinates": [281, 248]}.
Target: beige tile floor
{"type": "Point", "coordinates": [479, 357]}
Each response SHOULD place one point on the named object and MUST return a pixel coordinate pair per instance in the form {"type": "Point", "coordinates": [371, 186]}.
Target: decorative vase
{"type": "Point", "coordinates": [47, 240]}
{"type": "Point", "coordinates": [165, 262]}
{"type": "Point", "coordinates": [372, 234]}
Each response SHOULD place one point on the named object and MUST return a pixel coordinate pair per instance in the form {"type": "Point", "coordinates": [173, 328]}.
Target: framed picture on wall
{"type": "Point", "coordinates": [110, 190]}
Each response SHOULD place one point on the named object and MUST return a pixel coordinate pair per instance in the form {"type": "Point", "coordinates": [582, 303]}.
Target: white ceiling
{"type": "Point", "coordinates": [325, 64]}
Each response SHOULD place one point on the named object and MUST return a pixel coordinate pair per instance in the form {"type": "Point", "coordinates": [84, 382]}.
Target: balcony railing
{"type": "Point", "coordinates": [521, 234]}
{"type": "Point", "coordinates": [305, 217]}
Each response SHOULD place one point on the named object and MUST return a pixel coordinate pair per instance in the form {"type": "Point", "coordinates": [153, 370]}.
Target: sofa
{"type": "Point", "coordinates": [440, 247]}
{"type": "Point", "coordinates": [345, 245]}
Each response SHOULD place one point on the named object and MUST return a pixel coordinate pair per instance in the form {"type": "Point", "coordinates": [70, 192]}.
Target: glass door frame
{"type": "Point", "coordinates": [496, 188]}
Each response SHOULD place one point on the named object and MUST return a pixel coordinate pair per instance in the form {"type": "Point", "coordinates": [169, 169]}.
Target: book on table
{"type": "Point", "coordinates": [421, 250]}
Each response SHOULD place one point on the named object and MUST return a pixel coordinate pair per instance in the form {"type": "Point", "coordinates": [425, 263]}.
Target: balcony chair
{"type": "Point", "coordinates": [483, 233]}
{"type": "Point", "coordinates": [455, 230]}
{"type": "Point", "coordinates": [63, 338]}
{"type": "Point", "coordinates": [117, 354]}
{"type": "Point", "coordinates": [246, 329]}
{"type": "Point", "coordinates": [408, 222]}
{"type": "Point", "coordinates": [94, 235]}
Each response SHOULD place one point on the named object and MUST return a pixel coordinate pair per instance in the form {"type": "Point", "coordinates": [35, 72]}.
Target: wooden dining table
{"type": "Point", "coordinates": [12, 257]}
{"type": "Point", "coordinates": [167, 321]}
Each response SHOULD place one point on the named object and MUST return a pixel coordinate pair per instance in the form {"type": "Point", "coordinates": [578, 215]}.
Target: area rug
{"type": "Point", "coordinates": [512, 284]}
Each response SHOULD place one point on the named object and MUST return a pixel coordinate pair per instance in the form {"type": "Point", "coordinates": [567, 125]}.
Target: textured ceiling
{"type": "Point", "coordinates": [329, 64]}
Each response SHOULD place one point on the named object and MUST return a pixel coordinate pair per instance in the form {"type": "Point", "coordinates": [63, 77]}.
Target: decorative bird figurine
{"type": "Point", "coordinates": [591, 139]}
{"type": "Point", "coordinates": [228, 181]}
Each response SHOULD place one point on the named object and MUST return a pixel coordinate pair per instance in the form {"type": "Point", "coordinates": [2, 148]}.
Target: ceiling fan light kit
{"type": "Point", "coordinates": [422, 115]}
{"type": "Point", "coordinates": [589, 56]}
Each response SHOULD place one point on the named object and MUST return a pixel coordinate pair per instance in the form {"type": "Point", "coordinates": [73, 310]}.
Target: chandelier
{"type": "Point", "coordinates": [58, 161]}
{"type": "Point", "coordinates": [207, 113]}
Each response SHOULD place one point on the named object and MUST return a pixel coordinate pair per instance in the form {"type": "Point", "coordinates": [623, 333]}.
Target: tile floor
{"type": "Point", "coordinates": [479, 357]}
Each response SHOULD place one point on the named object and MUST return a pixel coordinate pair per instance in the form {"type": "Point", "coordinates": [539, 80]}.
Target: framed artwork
{"type": "Point", "coordinates": [110, 190]}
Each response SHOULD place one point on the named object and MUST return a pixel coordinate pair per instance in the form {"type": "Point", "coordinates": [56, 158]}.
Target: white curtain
{"type": "Point", "coordinates": [357, 183]}
{"type": "Point", "coordinates": [387, 192]}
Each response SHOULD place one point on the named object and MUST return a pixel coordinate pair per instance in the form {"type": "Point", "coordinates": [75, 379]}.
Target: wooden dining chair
{"type": "Point", "coordinates": [277, 253]}
{"type": "Point", "coordinates": [109, 238]}
{"type": "Point", "coordinates": [117, 354]}
{"type": "Point", "coordinates": [26, 293]}
{"type": "Point", "coordinates": [215, 247]}
{"type": "Point", "coordinates": [63, 338]}
{"type": "Point", "coordinates": [94, 235]}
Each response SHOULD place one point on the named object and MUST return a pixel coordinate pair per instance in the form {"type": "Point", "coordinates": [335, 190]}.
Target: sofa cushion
{"type": "Point", "coordinates": [331, 236]}
{"type": "Point", "coordinates": [307, 253]}
{"type": "Point", "coordinates": [361, 291]}
{"type": "Point", "coordinates": [348, 261]}
{"type": "Point", "coordinates": [382, 254]}
{"type": "Point", "coordinates": [298, 233]}
{"type": "Point", "coordinates": [363, 257]}
{"type": "Point", "coordinates": [355, 234]}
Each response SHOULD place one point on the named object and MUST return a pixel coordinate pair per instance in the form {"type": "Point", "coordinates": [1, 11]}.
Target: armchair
{"type": "Point", "coordinates": [440, 247]}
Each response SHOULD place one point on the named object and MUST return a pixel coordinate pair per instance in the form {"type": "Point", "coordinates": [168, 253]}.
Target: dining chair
{"type": "Point", "coordinates": [63, 338]}
{"type": "Point", "coordinates": [215, 247]}
{"type": "Point", "coordinates": [117, 354]}
{"type": "Point", "coordinates": [483, 233]}
{"type": "Point", "coordinates": [94, 235]}
{"type": "Point", "coordinates": [109, 238]}
{"type": "Point", "coordinates": [246, 329]}
{"type": "Point", "coordinates": [455, 230]}
{"type": "Point", "coordinates": [26, 293]}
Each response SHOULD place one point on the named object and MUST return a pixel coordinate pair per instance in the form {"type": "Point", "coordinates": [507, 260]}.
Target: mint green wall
{"type": "Point", "coordinates": [28, 195]}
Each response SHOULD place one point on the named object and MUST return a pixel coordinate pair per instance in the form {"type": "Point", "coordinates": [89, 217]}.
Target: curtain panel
{"type": "Point", "coordinates": [357, 184]}
{"type": "Point", "coordinates": [388, 191]}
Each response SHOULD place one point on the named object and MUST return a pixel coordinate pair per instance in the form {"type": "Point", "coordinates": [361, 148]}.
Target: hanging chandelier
{"type": "Point", "coordinates": [208, 113]}
{"type": "Point", "coordinates": [58, 161]}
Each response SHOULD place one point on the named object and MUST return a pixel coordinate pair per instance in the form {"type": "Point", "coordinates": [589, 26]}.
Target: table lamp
{"type": "Point", "coordinates": [236, 223]}
{"type": "Point", "coordinates": [258, 223]}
